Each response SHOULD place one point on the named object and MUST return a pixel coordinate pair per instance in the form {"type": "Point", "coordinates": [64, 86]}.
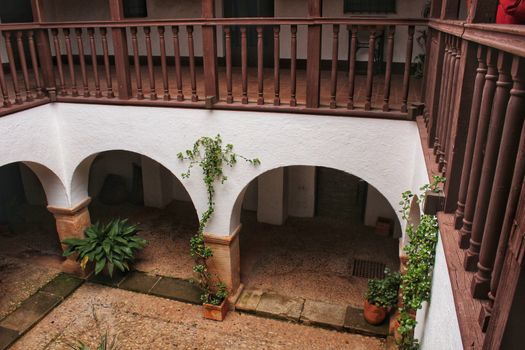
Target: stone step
{"type": "Point", "coordinates": [309, 312]}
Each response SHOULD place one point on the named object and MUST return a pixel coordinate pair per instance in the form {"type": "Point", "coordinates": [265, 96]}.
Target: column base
{"type": "Point", "coordinates": [484, 317]}
{"type": "Point", "coordinates": [225, 263]}
{"type": "Point", "coordinates": [470, 263]}
{"type": "Point", "coordinates": [480, 286]}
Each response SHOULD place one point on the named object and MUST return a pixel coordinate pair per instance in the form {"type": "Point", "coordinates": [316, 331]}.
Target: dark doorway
{"type": "Point", "coordinates": [340, 195]}
{"type": "Point", "coordinates": [250, 8]}
{"type": "Point", "coordinates": [16, 11]}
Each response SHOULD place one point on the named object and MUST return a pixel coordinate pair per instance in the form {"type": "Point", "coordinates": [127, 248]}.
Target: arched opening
{"type": "Point", "coordinates": [316, 233]}
{"type": "Point", "coordinates": [30, 251]}
{"type": "Point", "coordinates": [124, 184]}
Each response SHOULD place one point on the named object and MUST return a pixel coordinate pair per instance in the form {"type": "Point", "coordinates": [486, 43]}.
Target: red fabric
{"type": "Point", "coordinates": [511, 12]}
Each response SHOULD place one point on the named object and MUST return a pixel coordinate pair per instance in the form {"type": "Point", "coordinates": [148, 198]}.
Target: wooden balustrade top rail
{"type": "Point", "coordinates": [255, 21]}
{"type": "Point", "coordinates": [507, 38]}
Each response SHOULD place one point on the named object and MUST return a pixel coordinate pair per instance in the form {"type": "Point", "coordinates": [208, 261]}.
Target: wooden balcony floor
{"type": "Point", "coordinates": [285, 83]}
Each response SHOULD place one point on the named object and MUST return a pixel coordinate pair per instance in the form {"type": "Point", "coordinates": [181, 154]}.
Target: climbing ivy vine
{"type": "Point", "coordinates": [211, 156]}
{"type": "Point", "coordinates": [416, 283]}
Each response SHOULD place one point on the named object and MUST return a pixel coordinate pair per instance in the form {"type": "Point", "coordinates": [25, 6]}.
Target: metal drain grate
{"type": "Point", "coordinates": [368, 269]}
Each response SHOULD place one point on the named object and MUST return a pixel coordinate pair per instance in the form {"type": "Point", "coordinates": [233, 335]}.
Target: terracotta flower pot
{"type": "Point", "coordinates": [216, 312]}
{"type": "Point", "coordinates": [374, 315]}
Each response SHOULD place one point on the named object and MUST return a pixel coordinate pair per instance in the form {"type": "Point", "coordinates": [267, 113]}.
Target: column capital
{"type": "Point", "coordinates": [57, 211]}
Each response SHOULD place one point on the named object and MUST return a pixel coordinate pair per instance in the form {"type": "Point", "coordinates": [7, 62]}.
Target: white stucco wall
{"type": "Point", "coordinates": [381, 152]}
{"type": "Point", "coordinates": [438, 326]}
{"type": "Point", "coordinates": [32, 136]}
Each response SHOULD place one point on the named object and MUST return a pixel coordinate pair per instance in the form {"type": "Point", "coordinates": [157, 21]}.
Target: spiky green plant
{"type": "Point", "coordinates": [112, 245]}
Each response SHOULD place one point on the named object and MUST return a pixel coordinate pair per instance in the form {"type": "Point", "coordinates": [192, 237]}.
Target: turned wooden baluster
{"type": "Point", "coordinates": [3, 86]}
{"type": "Point", "coordinates": [408, 64]}
{"type": "Point", "coordinates": [23, 65]}
{"type": "Point", "coordinates": [449, 111]}
{"type": "Point", "coordinates": [447, 92]}
{"type": "Point", "coordinates": [136, 63]}
{"type": "Point", "coordinates": [228, 44]}
{"type": "Point", "coordinates": [12, 67]}
{"type": "Point", "coordinates": [94, 64]}
{"type": "Point", "coordinates": [370, 68]}
{"type": "Point", "coordinates": [260, 66]}
{"type": "Point", "coordinates": [34, 63]}
{"type": "Point", "coordinates": [80, 46]}
{"type": "Point", "coordinates": [70, 62]}
{"type": "Point", "coordinates": [443, 116]}
{"type": "Point", "coordinates": [333, 75]}
{"type": "Point", "coordinates": [178, 72]}
{"type": "Point", "coordinates": [497, 117]}
{"type": "Point", "coordinates": [516, 109]}
{"type": "Point", "coordinates": [163, 63]}
{"type": "Point", "coordinates": [352, 51]}
{"type": "Point", "coordinates": [471, 139]}
{"type": "Point", "coordinates": [58, 54]}
{"type": "Point", "coordinates": [388, 72]}
{"type": "Point", "coordinates": [151, 68]}
{"type": "Point", "coordinates": [244, 66]}
{"type": "Point", "coordinates": [276, 73]}
{"type": "Point", "coordinates": [293, 66]}
{"type": "Point", "coordinates": [441, 99]}
{"type": "Point", "coordinates": [107, 67]}
{"type": "Point", "coordinates": [191, 50]}
{"type": "Point", "coordinates": [506, 160]}
{"type": "Point", "coordinates": [479, 148]}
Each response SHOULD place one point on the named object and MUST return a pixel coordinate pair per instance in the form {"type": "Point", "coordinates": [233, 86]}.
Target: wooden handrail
{"type": "Point", "coordinates": [248, 21]}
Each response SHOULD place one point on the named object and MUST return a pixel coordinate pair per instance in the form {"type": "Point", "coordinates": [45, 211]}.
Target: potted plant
{"type": "Point", "coordinates": [380, 297]}
{"type": "Point", "coordinates": [210, 155]}
{"type": "Point", "coordinates": [108, 246]}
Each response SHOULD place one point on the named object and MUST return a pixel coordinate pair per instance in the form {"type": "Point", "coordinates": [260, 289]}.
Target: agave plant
{"type": "Point", "coordinates": [113, 245]}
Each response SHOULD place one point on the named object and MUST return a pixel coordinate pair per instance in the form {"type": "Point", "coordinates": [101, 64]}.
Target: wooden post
{"type": "Point", "coordinates": [120, 49]}
{"type": "Point", "coordinates": [209, 52]}
{"type": "Point", "coordinates": [482, 11]}
{"type": "Point", "coordinates": [44, 50]}
{"type": "Point", "coordinates": [471, 137]}
{"type": "Point", "coordinates": [435, 75]}
{"type": "Point", "coordinates": [450, 9]}
{"type": "Point", "coordinates": [460, 121]}
{"type": "Point", "coordinates": [313, 69]}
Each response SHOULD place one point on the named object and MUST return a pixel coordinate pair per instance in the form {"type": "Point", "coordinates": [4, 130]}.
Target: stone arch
{"type": "Point", "coordinates": [54, 188]}
{"type": "Point", "coordinates": [235, 215]}
{"type": "Point", "coordinates": [80, 177]}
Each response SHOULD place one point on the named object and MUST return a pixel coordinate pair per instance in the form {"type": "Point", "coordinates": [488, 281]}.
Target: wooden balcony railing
{"type": "Point", "coordinates": [177, 63]}
{"type": "Point", "coordinates": [474, 115]}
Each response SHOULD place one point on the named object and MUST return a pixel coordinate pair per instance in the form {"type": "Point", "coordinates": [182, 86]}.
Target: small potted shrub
{"type": "Point", "coordinates": [108, 246]}
{"type": "Point", "coordinates": [380, 297]}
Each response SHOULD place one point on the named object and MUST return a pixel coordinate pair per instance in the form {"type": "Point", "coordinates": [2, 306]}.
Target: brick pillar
{"type": "Point", "coordinates": [226, 262]}
{"type": "Point", "coordinates": [71, 223]}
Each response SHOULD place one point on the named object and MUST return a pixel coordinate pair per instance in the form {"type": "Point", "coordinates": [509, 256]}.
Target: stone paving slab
{"type": "Point", "coordinates": [114, 281]}
{"type": "Point", "coordinates": [355, 323]}
{"type": "Point", "coordinates": [62, 285]}
{"type": "Point", "coordinates": [7, 337]}
{"type": "Point", "coordinates": [280, 307]}
{"type": "Point", "coordinates": [249, 300]}
{"type": "Point", "coordinates": [177, 289]}
{"type": "Point", "coordinates": [323, 314]}
{"type": "Point", "coordinates": [31, 311]}
{"type": "Point", "coordinates": [137, 281]}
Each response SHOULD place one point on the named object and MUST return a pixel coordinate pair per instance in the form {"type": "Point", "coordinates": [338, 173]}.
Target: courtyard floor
{"type": "Point", "coordinates": [140, 321]}
{"type": "Point", "coordinates": [306, 258]}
